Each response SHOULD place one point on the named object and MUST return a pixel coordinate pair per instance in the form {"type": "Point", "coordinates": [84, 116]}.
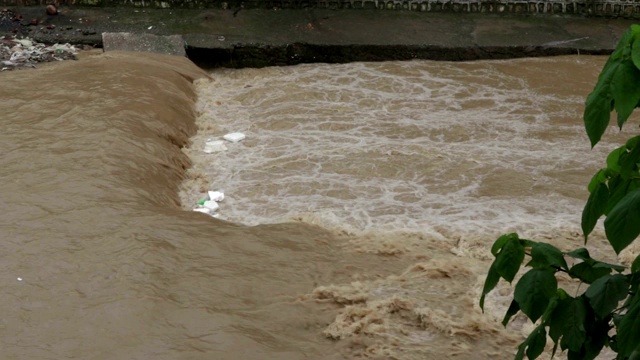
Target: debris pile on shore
{"type": "Point", "coordinates": [16, 53]}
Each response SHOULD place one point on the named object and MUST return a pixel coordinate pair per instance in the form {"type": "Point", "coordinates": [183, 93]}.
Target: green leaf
{"type": "Point", "coordinates": [625, 89]}
{"type": "Point", "coordinates": [502, 240]}
{"type": "Point", "coordinates": [613, 343]}
{"type": "Point", "coordinates": [553, 303]}
{"type": "Point", "coordinates": [597, 338]}
{"type": "Point", "coordinates": [631, 299]}
{"type": "Point", "coordinates": [587, 273]}
{"type": "Point", "coordinates": [622, 225]}
{"type": "Point", "coordinates": [583, 254]}
{"type": "Point", "coordinates": [520, 353]}
{"type": "Point", "coordinates": [536, 342]}
{"type": "Point", "coordinates": [629, 331]}
{"type": "Point", "coordinates": [613, 159]}
{"type": "Point", "coordinates": [534, 290]}
{"type": "Point", "coordinates": [574, 334]}
{"type": "Point", "coordinates": [634, 277]}
{"type": "Point", "coordinates": [618, 188]}
{"type": "Point", "coordinates": [605, 293]}
{"type": "Point", "coordinates": [597, 112]}
{"type": "Point", "coordinates": [580, 253]}
{"type": "Point", "coordinates": [567, 323]}
{"type": "Point", "coordinates": [509, 259]}
{"type": "Point", "coordinates": [490, 283]}
{"type": "Point", "coordinates": [599, 265]}
{"type": "Point", "coordinates": [573, 355]}
{"type": "Point", "coordinates": [624, 44]}
{"type": "Point", "coordinates": [599, 177]}
{"type": "Point", "coordinates": [635, 51]}
{"type": "Point", "coordinates": [595, 207]}
{"type": "Point", "coordinates": [632, 142]}
{"type": "Point", "coordinates": [545, 254]}
{"type": "Point", "coordinates": [513, 309]}
{"type": "Point", "coordinates": [556, 321]}
{"type": "Point", "coordinates": [629, 160]}
{"type": "Point", "coordinates": [599, 103]}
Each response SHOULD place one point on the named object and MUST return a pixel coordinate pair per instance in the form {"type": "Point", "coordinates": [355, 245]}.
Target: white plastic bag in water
{"type": "Point", "coordinates": [234, 137]}
{"type": "Point", "coordinates": [211, 205]}
{"type": "Point", "coordinates": [212, 146]}
{"type": "Point", "coordinates": [203, 210]}
{"type": "Point", "coordinates": [216, 195]}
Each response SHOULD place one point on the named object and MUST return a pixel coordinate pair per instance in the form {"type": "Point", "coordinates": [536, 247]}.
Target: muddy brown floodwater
{"type": "Point", "coordinates": [358, 217]}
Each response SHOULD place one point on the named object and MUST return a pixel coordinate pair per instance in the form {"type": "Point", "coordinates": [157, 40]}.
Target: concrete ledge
{"type": "Point", "coordinates": [124, 41]}
{"type": "Point", "coordinates": [255, 38]}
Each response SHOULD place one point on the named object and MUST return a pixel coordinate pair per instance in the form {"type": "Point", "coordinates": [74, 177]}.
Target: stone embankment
{"type": "Point", "coordinates": [237, 35]}
{"type": "Point", "coordinates": [625, 8]}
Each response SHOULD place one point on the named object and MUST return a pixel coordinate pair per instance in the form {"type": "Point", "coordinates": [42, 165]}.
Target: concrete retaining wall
{"type": "Point", "coordinates": [625, 8]}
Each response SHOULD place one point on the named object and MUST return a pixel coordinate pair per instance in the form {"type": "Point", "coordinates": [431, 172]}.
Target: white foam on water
{"type": "Point", "coordinates": [404, 146]}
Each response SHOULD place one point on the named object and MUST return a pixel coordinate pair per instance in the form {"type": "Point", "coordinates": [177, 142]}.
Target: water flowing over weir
{"type": "Point", "coordinates": [349, 254]}
{"type": "Point", "coordinates": [422, 163]}
{"type": "Point", "coordinates": [110, 267]}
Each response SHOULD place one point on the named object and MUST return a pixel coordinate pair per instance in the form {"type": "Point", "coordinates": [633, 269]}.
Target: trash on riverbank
{"type": "Point", "coordinates": [209, 205]}
{"type": "Point", "coordinates": [20, 53]}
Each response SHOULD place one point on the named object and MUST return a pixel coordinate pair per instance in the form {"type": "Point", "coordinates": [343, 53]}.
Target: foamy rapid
{"type": "Point", "coordinates": [420, 166]}
{"type": "Point", "coordinates": [427, 147]}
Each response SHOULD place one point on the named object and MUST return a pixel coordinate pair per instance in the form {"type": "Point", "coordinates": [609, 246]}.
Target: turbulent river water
{"type": "Point", "coordinates": [358, 216]}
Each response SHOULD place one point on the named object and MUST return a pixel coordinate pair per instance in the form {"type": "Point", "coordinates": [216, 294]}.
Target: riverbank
{"type": "Point", "coordinates": [259, 37]}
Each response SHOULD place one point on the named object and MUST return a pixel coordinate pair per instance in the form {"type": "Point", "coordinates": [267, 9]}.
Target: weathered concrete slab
{"type": "Point", "coordinates": [261, 37]}
{"type": "Point", "coordinates": [126, 41]}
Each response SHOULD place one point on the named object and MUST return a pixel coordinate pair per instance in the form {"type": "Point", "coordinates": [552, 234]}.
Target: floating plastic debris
{"type": "Point", "coordinates": [19, 279]}
{"type": "Point", "coordinates": [203, 210]}
{"type": "Point", "coordinates": [212, 146]}
{"type": "Point", "coordinates": [210, 204]}
{"type": "Point", "coordinates": [234, 137]}
{"type": "Point", "coordinates": [216, 195]}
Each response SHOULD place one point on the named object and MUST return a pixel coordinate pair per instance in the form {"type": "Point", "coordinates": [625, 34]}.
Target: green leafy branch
{"type": "Point", "coordinates": [607, 313]}
{"type": "Point", "coordinates": [615, 190]}
{"type": "Point", "coordinates": [577, 324]}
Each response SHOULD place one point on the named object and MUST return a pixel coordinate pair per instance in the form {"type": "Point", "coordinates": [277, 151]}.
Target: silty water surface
{"type": "Point", "coordinates": [481, 147]}
{"type": "Point", "coordinates": [408, 171]}
{"type": "Point", "coordinates": [424, 164]}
